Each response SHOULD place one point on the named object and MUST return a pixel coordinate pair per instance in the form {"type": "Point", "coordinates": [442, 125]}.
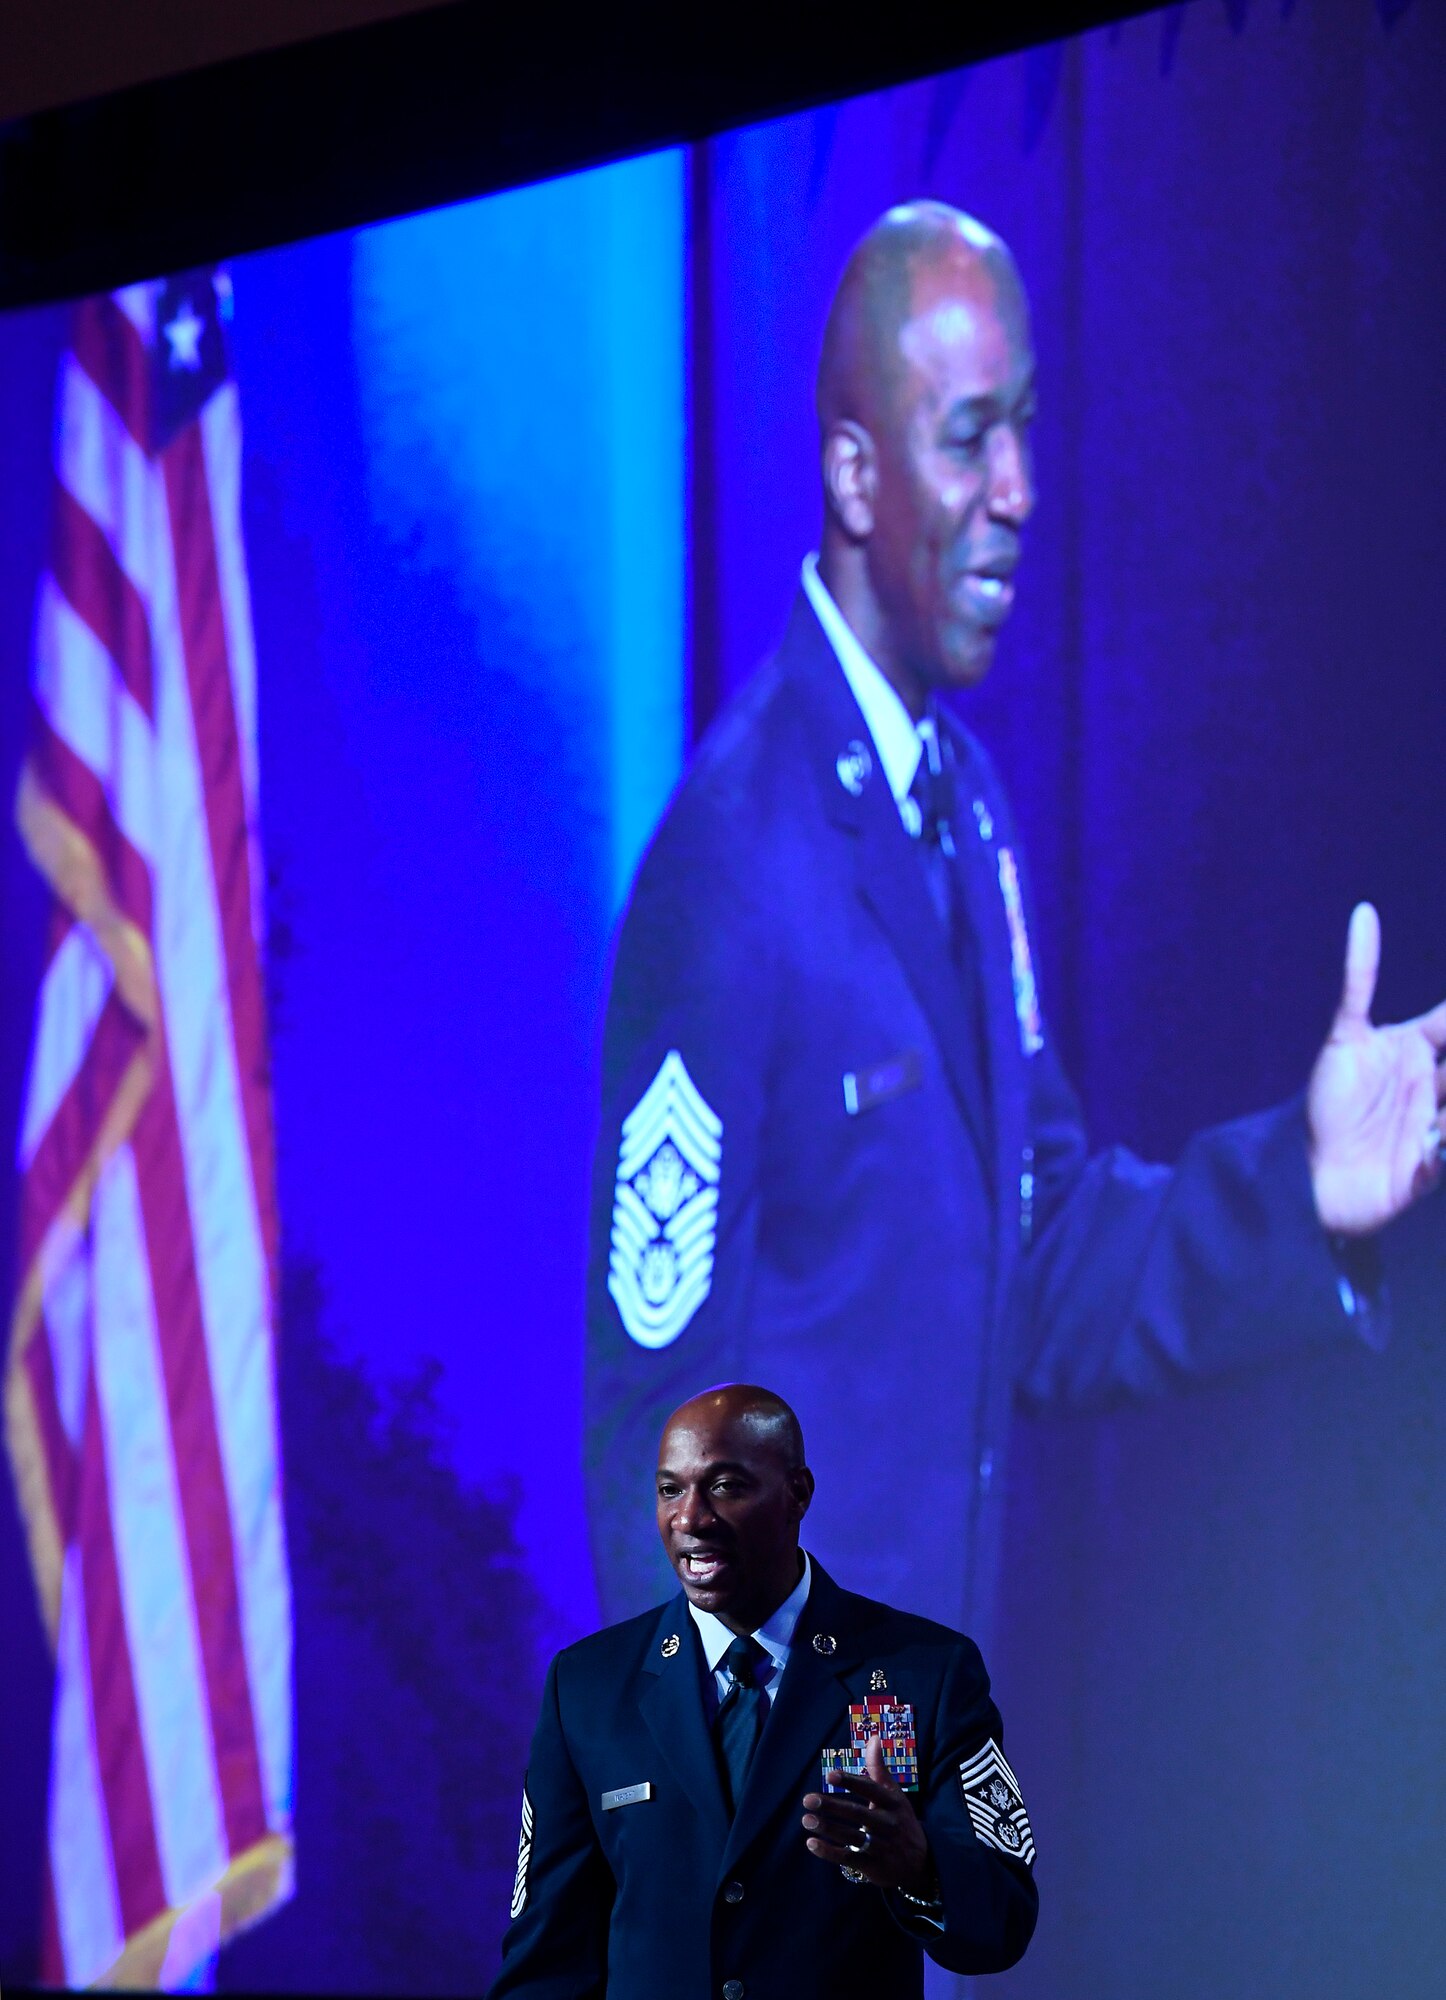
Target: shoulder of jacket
{"type": "Point", "coordinates": [905, 1629]}
{"type": "Point", "coordinates": [614, 1647]}
{"type": "Point", "coordinates": [746, 779]}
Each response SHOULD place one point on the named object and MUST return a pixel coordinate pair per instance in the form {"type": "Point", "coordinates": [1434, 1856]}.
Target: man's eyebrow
{"type": "Point", "coordinates": [989, 402]}
{"type": "Point", "coordinates": [973, 406]}
{"type": "Point", "coordinates": [709, 1471]}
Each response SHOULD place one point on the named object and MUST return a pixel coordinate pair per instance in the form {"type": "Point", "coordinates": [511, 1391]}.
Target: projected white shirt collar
{"type": "Point", "coordinates": [774, 1635]}
{"type": "Point", "coordinates": [889, 722]}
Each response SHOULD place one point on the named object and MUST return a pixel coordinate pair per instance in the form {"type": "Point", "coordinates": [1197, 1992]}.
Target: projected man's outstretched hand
{"type": "Point", "coordinates": [1375, 1102]}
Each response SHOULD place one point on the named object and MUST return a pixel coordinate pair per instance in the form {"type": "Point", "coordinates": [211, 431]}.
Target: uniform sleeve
{"type": "Point", "coordinates": [556, 1944]}
{"type": "Point", "coordinates": [979, 1833]}
{"type": "Point", "coordinates": [675, 1193]}
{"type": "Point", "coordinates": [1135, 1276]}
{"type": "Point", "coordinates": [1140, 1276]}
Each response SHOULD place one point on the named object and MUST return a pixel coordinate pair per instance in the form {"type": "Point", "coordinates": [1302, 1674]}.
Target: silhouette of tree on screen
{"type": "Point", "coordinates": [415, 1669]}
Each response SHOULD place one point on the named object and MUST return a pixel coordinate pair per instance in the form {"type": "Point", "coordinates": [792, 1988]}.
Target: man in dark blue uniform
{"type": "Point", "coordinates": [837, 1149]}
{"type": "Point", "coordinates": [674, 1837]}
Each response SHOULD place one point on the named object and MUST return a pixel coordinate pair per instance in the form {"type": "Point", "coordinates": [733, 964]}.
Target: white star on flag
{"type": "Point", "coordinates": [184, 334]}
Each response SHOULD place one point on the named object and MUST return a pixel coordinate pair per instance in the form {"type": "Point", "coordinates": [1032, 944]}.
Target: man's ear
{"type": "Point", "coordinates": [800, 1486]}
{"type": "Point", "coordinates": [850, 476]}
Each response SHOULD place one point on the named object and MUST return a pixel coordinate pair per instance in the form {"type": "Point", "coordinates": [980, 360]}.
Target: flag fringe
{"type": "Point", "coordinates": [68, 861]}
{"type": "Point", "coordinates": [257, 1882]}
{"type": "Point", "coordinates": [32, 1490]}
{"type": "Point", "coordinates": [22, 1430]}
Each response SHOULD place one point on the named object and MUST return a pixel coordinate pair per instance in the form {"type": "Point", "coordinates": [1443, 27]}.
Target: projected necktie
{"type": "Point", "coordinates": [741, 1717]}
{"type": "Point", "coordinates": [934, 793]}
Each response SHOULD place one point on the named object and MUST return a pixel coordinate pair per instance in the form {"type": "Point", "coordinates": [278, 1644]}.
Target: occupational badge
{"type": "Point", "coordinates": [825, 1643]}
{"type": "Point", "coordinates": [1021, 965]}
{"type": "Point", "coordinates": [665, 1209]}
{"type": "Point", "coordinates": [878, 1681]}
{"type": "Point", "coordinates": [524, 1857]}
{"type": "Point", "coordinates": [854, 766]}
{"type": "Point", "coordinates": [671, 1645]}
{"type": "Point", "coordinates": [996, 1809]}
{"type": "Point", "coordinates": [892, 1721]}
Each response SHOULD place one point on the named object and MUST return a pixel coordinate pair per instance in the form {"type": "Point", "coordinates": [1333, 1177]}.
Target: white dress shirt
{"type": "Point", "coordinates": [774, 1635]}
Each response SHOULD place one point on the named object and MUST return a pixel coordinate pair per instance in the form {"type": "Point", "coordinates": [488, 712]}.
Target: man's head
{"type": "Point", "coordinates": [925, 397]}
{"type": "Point", "coordinates": [732, 1490]}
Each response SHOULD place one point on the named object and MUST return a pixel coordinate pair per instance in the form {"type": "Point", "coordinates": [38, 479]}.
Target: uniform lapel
{"type": "Point", "coordinates": [888, 877]}
{"type": "Point", "coordinates": [810, 1708]}
{"type": "Point", "coordinates": [671, 1701]}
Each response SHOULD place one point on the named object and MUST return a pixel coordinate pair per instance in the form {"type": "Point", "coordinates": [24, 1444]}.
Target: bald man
{"type": "Point", "coordinates": [676, 1840]}
{"type": "Point", "coordinates": [837, 1147]}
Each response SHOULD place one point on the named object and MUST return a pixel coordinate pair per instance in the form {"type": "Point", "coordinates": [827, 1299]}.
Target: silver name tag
{"type": "Point", "coordinates": [626, 1795]}
{"type": "Point", "coordinates": [864, 1088]}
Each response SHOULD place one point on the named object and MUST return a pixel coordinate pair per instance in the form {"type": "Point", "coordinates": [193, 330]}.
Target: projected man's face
{"type": "Point", "coordinates": [953, 482]}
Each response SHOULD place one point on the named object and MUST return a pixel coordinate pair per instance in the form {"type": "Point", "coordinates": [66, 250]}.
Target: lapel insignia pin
{"type": "Point", "coordinates": [878, 1681]}
{"type": "Point", "coordinates": [671, 1645]}
{"type": "Point", "coordinates": [825, 1643]}
{"type": "Point", "coordinates": [854, 766]}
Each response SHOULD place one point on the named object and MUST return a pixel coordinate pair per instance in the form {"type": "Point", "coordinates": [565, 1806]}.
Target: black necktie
{"type": "Point", "coordinates": [932, 792]}
{"type": "Point", "coordinates": [741, 1716]}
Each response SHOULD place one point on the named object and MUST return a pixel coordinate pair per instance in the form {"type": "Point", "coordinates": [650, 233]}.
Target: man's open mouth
{"type": "Point", "coordinates": [703, 1565]}
{"type": "Point", "coordinates": [988, 595]}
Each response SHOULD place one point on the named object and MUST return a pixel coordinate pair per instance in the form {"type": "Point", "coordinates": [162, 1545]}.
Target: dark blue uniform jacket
{"type": "Point", "coordinates": [871, 1195]}
{"type": "Point", "coordinates": [663, 1899]}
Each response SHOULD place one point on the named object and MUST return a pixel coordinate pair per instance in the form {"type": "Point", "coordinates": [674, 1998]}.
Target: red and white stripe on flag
{"type": "Point", "coordinates": [140, 1395]}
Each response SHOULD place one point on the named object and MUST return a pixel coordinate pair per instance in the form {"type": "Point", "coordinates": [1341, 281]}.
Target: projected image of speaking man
{"type": "Point", "coordinates": [837, 1147]}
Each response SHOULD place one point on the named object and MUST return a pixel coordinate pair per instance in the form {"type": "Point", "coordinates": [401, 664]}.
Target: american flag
{"type": "Point", "coordinates": [140, 1384]}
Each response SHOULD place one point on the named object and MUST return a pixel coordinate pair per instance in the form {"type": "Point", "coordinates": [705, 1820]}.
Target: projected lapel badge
{"type": "Point", "coordinates": [665, 1211]}
{"type": "Point", "coordinates": [824, 1643]}
{"type": "Point", "coordinates": [524, 1857]}
{"type": "Point", "coordinates": [1021, 965]}
{"type": "Point", "coordinates": [671, 1645]}
{"type": "Point", "coordinates": [854, 766]}
{"type": "Point", "coordinates": [996, 1809]}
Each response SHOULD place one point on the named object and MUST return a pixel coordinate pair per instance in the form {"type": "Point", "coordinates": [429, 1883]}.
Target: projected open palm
{"type": "Point", "coordinates": [1374, 1102]}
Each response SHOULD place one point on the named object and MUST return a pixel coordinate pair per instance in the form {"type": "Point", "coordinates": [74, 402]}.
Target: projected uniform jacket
{"type": "Point", "coordinates": [659, 1895]}
{"type": "Point", "coordinates": [833, 1162]}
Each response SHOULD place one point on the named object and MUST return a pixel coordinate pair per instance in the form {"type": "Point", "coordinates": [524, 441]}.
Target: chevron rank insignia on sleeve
{"type": "Point", "coordinates": [665, 1209]}
{"type": "Point", "coordinates": [996, 1809]}
{"type": "Point", "coordinates": [524, 1857]}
